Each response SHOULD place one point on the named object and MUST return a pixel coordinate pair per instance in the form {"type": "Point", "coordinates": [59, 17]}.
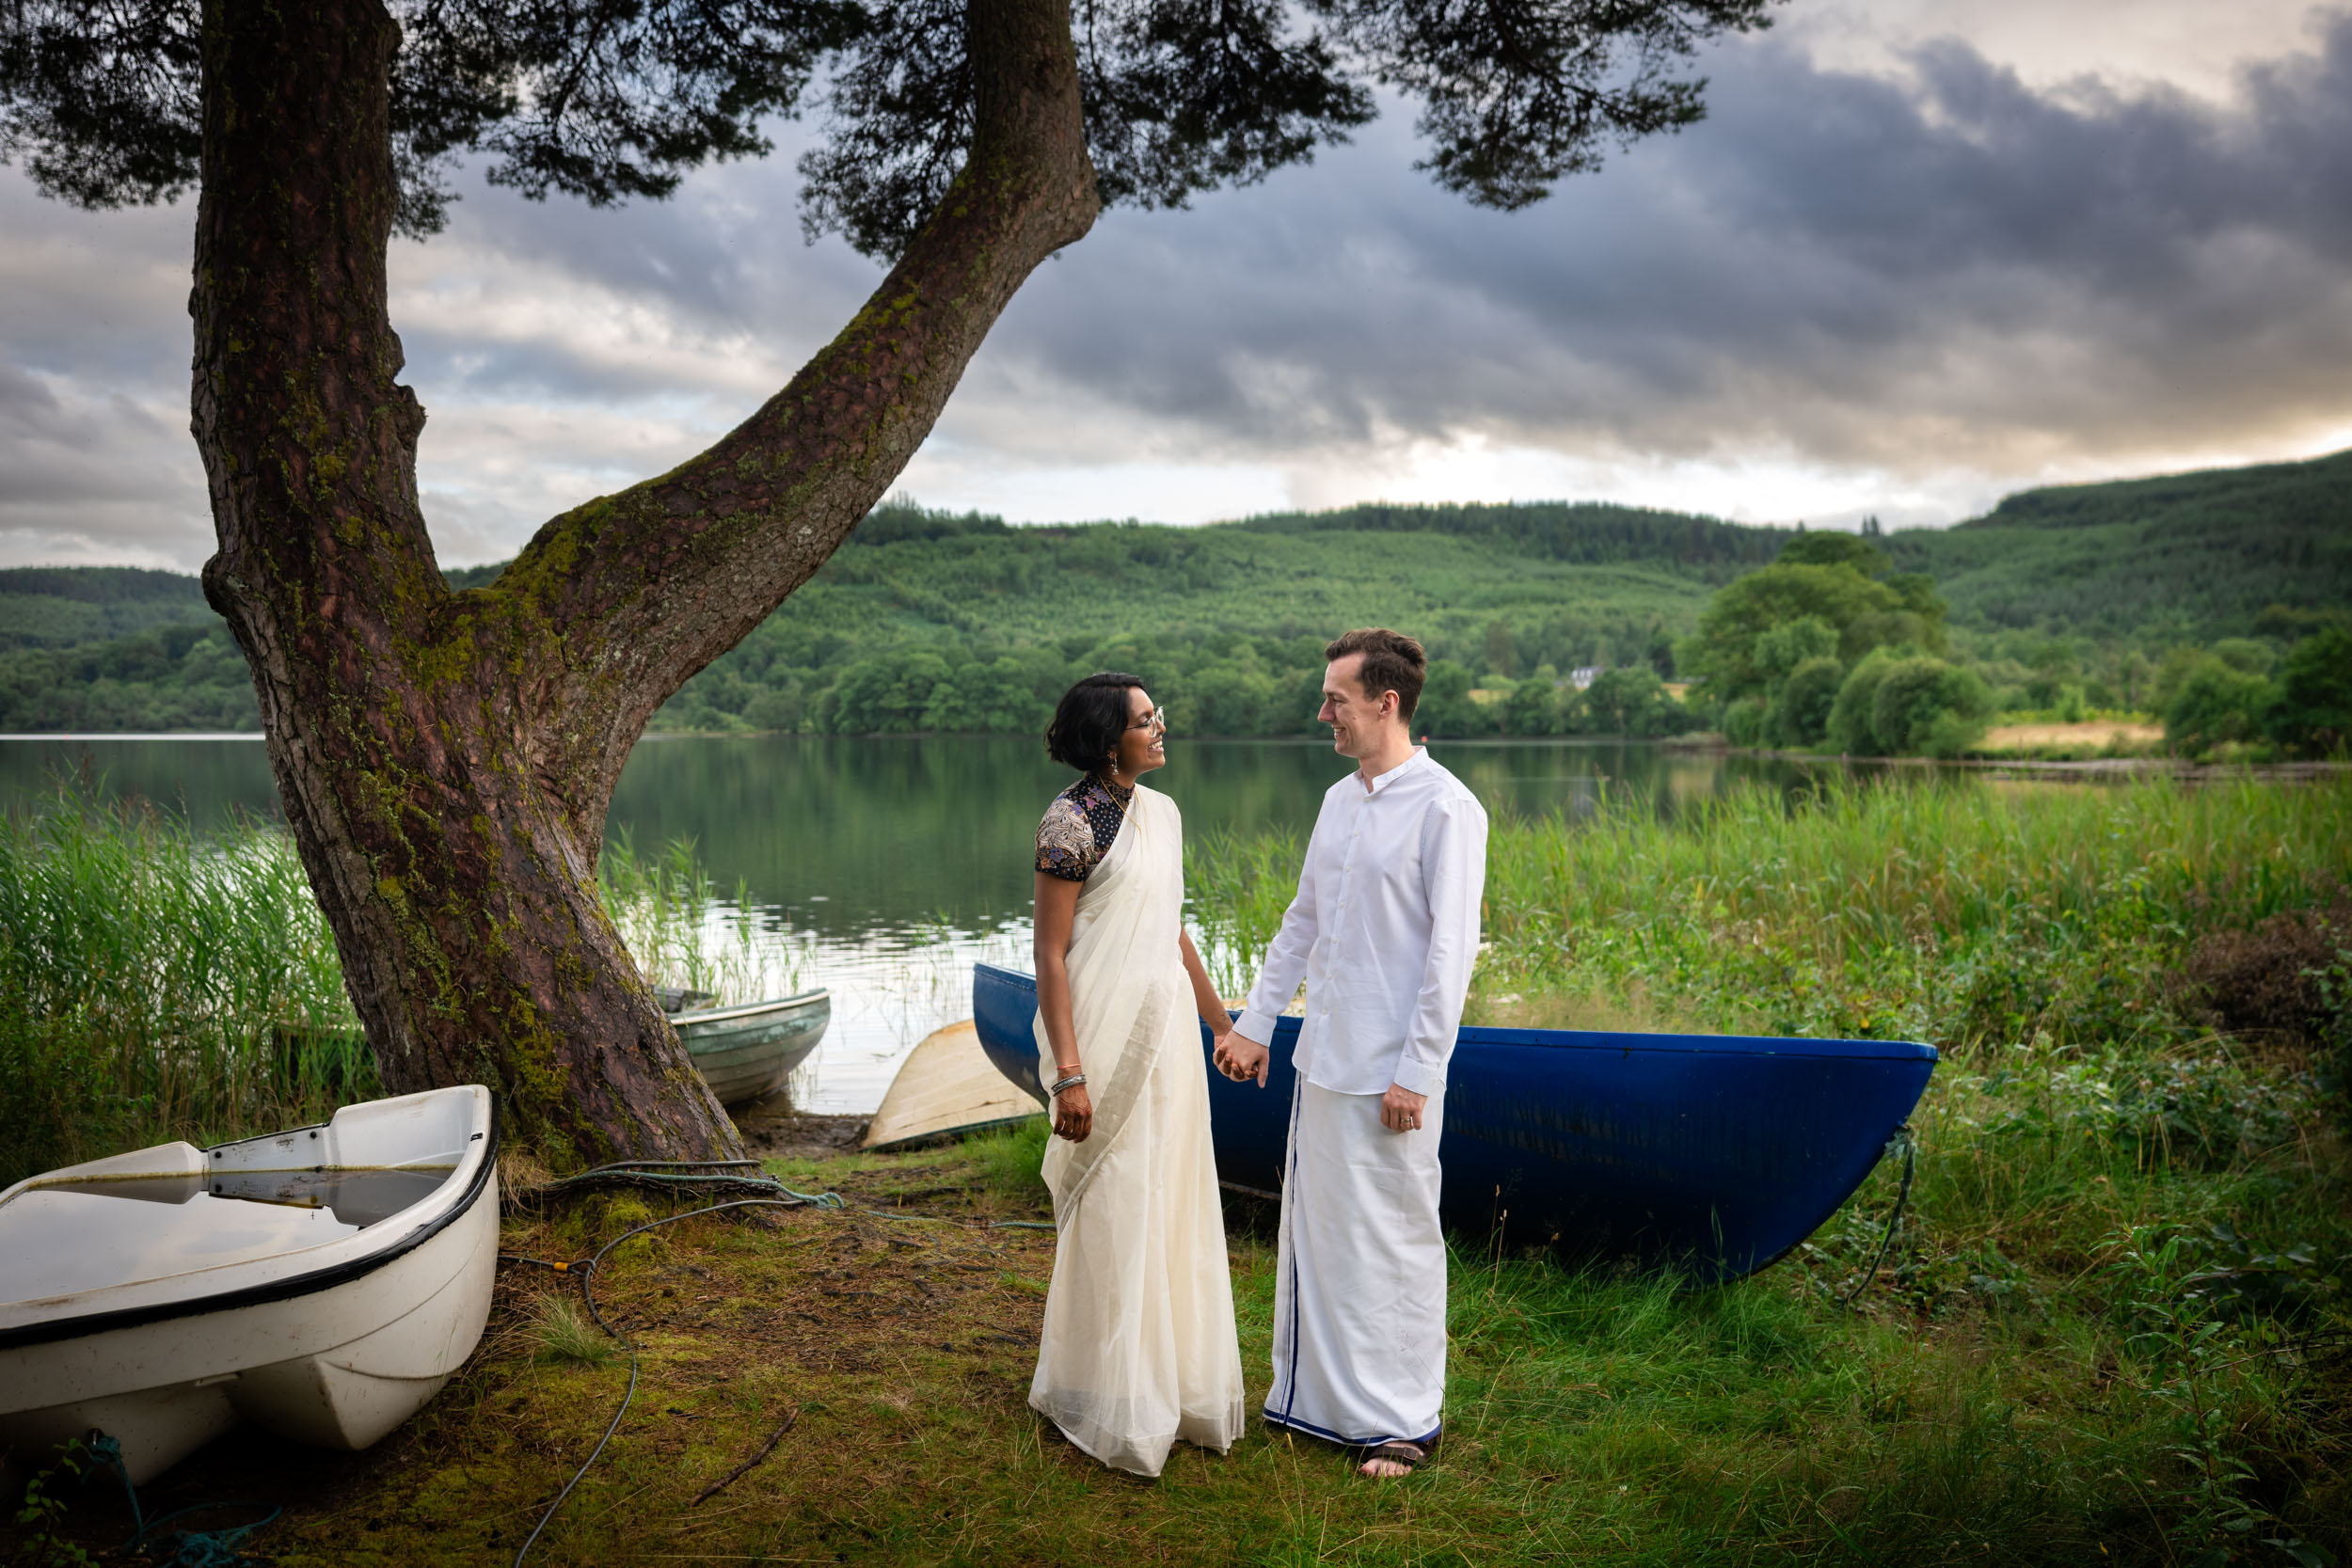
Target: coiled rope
{"type": "Point", "coordinates": [190, 1549]}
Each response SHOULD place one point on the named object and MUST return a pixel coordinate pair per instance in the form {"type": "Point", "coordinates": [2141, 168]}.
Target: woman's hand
{"type": "Point", "coordinates": [1074, 1114]}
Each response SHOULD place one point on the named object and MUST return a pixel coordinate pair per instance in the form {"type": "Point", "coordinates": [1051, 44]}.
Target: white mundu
{"type": "Point", "coordinates": [1383, 933]}
{"type": "Point", "coordinates": [1138, 1347]}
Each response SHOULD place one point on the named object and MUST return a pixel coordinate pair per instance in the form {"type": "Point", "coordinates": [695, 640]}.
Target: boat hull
{"type": "Point", "coordinates": [947, 1089]}
{"type": "Point", "coordinates": [334, 1350]}
{"type": "Point", "coordinates": [747, 1052]}
{"type": "Point", "coordinates": [341, 1369]}
{"type": "Point", "coordinates": [1713, 1154]}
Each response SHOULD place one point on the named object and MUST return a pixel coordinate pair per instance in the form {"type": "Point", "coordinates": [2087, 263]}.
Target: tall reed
{"type": "Point", "coordinates": [157, 982]}
{"type": "Point", "coordinates": [1957, 910]}
{"type": "Point", "coordinates": [683, 935]}
{"type": "Point", "coordinates": [1237, 886]}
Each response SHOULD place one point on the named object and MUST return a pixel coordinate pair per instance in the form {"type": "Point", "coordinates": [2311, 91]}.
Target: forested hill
{"type": "Point", "coordinates": [931, 620]}
{"type": "Point", "coordinates": [59, 607]}
{"type": "Point", "coordinates": [1589, 533]}
{"type": "Point", "coordinates": [2181, 557]}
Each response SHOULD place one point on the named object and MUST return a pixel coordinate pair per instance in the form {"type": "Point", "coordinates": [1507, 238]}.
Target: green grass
{"type": "Point", "coordinates": [2112, 1328]}
{"type": "Point", "coordinates": [2102, 1181]}
{"type": "Point", "coordinates": [1011, 1159]}
{"type": "Point", "coordinates": [1590, 1418]}
{"type": "Point", "coordinates": [565, 1331]}
{"type": "Point", "coordinates": [157, 985]}
{"type": "Point", "coordinates": [1976, 915]}
{"type": "Point", "coordinates": [160, 983]}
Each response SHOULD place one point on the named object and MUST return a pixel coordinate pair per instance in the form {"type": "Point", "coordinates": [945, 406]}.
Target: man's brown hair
{"type": "Point", "coordinates": [1393, 662]}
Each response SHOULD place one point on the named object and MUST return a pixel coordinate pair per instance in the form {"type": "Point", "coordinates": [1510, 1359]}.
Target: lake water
{"type": "Point", "coordinates": [883, 868]}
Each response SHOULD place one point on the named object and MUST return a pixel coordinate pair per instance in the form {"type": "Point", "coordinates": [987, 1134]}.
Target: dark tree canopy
{"type": "Point", "coordinates": [446, 756]}
{"type": "Point", "coordinates": [610, 99]}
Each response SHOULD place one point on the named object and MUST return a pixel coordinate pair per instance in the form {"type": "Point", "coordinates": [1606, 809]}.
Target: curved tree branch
{"type": "Point", "coordinates": [640, 589]}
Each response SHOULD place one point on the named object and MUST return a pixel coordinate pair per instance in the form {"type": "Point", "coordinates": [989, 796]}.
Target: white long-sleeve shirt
{"type": "Point", "coordinates": [1384, 932]}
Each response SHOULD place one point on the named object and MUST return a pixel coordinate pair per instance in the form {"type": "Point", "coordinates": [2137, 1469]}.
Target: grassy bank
{"type": "Point", "coordinates": [1590, 1418]}
{"type": "Point", "coordinates": [2061, 740]}
{"type": "Point", "coordinates": [2112, 1327]}
{"type": "Point", "coordinates": [157, 983]}
{"type": "Point", "coordinates": [2123, 1261]}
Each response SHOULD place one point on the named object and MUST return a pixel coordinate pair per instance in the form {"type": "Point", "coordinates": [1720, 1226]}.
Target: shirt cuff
{"type": "Point", "coordinates": [1417, 1076]}
{"type": "Point", "coordinates": [1254, 1027]}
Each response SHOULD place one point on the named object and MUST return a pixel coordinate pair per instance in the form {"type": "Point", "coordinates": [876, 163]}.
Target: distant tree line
{"type": "Point", "coordinates": [935, 622]}
{"type": "Point", "coordinates": [2189, 599]}
{"type": "Point", "coordinates": [1229, 685]}
{"type": "Point", "coordinates": [1830, 648]}
{"type": "Point", "coordinates": [2241, 693]}
{"type": "Point", "coordinates": [178, 676]}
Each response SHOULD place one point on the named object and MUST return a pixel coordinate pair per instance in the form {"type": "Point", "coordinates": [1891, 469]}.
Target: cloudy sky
{"type": "Point", "coordinates": [1923, 252]}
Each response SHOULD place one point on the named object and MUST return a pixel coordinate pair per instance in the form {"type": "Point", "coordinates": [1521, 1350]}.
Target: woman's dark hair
{"type": "Point", "coordinates": [1089, 721]}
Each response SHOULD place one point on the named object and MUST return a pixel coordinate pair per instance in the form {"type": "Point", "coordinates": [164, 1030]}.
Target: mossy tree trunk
{"type": "Point", "coordinates": [446, 759]}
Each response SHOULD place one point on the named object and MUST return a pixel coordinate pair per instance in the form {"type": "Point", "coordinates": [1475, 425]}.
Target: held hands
{"type": "Point", "coordinates": [1241, 1059]}
{"type": "Point", "coordinates": [1074, 1114]}
{"type": "Point", "coordinates": [1400, 1108]}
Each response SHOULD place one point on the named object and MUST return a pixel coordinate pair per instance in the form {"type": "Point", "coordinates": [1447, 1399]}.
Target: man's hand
{"type": "Point", "coordinates": [1400, 1109]}
{"type": "Point", "coordinates": [1240, 1058]}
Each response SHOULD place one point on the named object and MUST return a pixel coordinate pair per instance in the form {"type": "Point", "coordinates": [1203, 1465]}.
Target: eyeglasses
{"type": "Point", "coordinates": [1155, 720]}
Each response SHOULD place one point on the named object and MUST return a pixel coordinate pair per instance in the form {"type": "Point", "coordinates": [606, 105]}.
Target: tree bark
{"type": "Point", "coordinates": [446, 760]}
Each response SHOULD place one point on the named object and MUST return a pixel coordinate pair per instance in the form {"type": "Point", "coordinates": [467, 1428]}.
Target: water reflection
{"type": "Point", "coordinates": [885, 868]}
{"type": "Point", "coordinates": [84, 1235]}
{"type": "Point", "coordinates": [865, 837]}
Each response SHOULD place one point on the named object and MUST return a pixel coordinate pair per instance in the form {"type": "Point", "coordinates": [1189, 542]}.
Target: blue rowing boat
{"type": "Point", "coordinates": [1712, 1153]}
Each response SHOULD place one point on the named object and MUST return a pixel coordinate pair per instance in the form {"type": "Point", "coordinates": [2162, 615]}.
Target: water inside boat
{"type": "Point", "coordinates": [75, 1236]}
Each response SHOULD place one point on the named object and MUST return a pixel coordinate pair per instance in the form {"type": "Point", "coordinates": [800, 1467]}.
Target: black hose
{"type": "Point", "coordinates": [1902, 1140]}
{"type": "Point", "coordinates": [586, 1269]}
{"type": "Point", "coordinates": [587, 1272]}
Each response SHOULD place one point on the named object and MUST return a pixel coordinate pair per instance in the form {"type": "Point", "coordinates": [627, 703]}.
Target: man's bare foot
{"type": "Point", "coordinates": [1391, 1460]}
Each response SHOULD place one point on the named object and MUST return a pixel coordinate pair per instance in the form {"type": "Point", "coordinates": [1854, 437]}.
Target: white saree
{"type": "Point", "coordinates": [1138, 1347]}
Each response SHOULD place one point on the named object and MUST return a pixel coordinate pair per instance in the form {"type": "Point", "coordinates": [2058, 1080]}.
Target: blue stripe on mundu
{"type": "Point", "coordinates": [1359, 1343]}
{"type": "Point", "coordinates": [1290, 1184]}
{"type": "Point", "coordinates": [1311, 1430]}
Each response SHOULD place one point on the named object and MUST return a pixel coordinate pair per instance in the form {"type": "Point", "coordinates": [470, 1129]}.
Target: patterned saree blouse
{"type": "Point", "coordinates": [1080, 826]}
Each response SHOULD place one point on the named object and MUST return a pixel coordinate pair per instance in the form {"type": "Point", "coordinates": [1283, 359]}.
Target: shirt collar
{"type": "Point", "coordinates": [1394, 773]}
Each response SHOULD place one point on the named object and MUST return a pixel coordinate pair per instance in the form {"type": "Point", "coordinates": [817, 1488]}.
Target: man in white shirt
{"type": "Point", "coordinates": [1383, 933]}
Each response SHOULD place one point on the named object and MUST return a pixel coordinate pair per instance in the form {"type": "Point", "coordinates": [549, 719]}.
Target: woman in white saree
{"type": "Point", "coordinates": [1138, 1347]}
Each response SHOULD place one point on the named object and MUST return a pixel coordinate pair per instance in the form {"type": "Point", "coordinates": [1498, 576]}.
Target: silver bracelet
{"type": "Point", "coordinates": [1069, 1083]}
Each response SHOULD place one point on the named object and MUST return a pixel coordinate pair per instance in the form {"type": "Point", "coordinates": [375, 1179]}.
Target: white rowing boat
{"type": "Point", "coordinates": [749, 1050]}
{"type": "Point", "coordinates": [945, 1089]}
{"type": "Point", "coordinates": [322, 1282]}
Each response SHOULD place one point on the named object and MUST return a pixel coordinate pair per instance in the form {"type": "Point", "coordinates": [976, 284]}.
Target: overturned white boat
{"type": "Point", "coordinates": [322, 1283]}
{"type": "Point", "coordinates": [946, 1089]}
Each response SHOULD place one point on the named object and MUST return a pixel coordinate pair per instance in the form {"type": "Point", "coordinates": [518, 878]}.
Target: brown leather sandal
{"type": "Point", "coordinates": [1396, 1451]}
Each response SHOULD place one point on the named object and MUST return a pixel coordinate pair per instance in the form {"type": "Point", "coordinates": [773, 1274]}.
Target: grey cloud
{"type": "Point", "coordinates": [1836, 262]}
{"type": "Point", "coordinates": [1940, 268]}
{"type": "Point", "coordinates": [723, 257]}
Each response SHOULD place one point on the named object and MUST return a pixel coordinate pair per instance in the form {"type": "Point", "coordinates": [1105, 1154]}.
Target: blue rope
{"type": "Point", "coordinates": [190, 1549]}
